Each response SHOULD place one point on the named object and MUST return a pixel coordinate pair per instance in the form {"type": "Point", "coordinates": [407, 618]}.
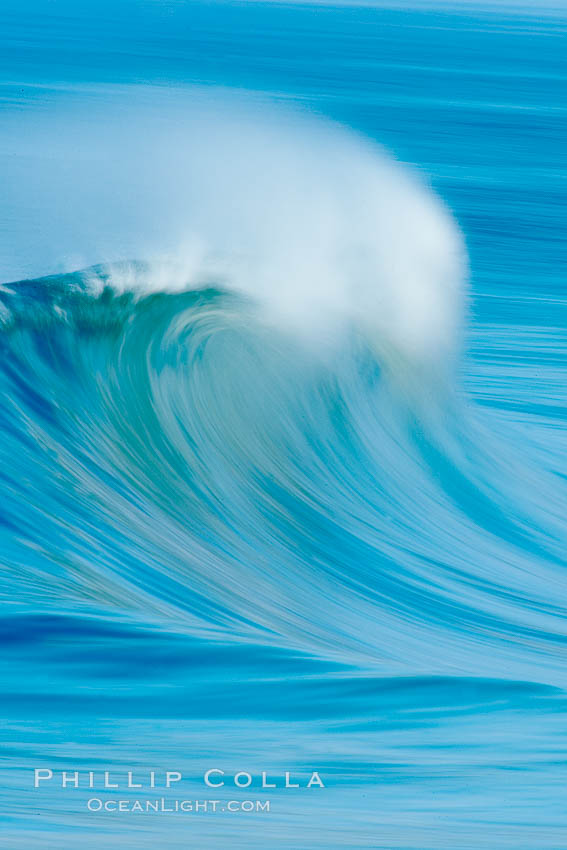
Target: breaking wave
{"type": "Point", "coordinates": [255, 431]}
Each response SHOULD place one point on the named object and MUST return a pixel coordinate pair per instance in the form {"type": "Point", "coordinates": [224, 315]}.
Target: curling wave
{"type": "Point", "coordinates": [256, 430]}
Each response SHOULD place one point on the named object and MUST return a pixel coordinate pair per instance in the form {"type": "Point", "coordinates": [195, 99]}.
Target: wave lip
{"type": "Point", "coordinates": [319, 226]}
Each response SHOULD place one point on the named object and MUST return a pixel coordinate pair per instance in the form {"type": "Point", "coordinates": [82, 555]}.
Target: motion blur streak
{"type": "Point", "coordinates": [283, 421]}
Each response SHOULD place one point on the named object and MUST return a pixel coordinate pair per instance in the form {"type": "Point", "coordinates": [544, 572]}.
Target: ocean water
{"type": "Point", "coordinates": [283, 425]}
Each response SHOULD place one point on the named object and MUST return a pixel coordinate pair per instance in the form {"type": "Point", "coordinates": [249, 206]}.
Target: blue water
{"type": "Point", "coordinates": [283, 421]}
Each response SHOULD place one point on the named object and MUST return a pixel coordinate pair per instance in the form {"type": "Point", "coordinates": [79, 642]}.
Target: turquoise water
{"type": "Point", "coordinates": [283, 423]}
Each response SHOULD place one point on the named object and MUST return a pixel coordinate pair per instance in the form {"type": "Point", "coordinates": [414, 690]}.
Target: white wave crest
{"type": "Point", "coordinates": [317, 224]}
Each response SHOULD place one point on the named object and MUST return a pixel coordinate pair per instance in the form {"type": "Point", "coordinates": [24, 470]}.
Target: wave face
{"type": "Point", "coordinates": [186, 458]}
{"type": "Point", "coordinates": [282, 488]}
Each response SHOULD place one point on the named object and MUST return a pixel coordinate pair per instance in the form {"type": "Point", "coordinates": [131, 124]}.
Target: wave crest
{"type": "Point", "coordinates": [318, 225]}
